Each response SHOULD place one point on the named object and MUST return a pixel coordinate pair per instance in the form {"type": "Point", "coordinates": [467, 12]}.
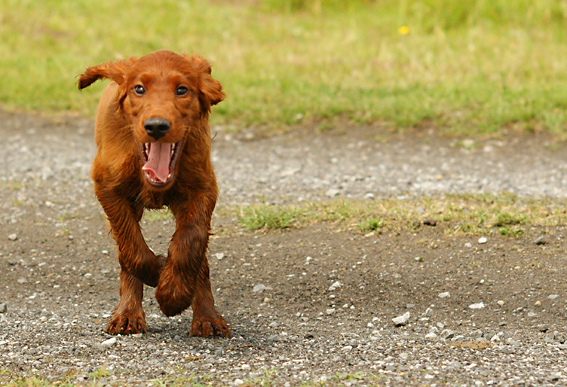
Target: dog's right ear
{"type": "Point", "coordinates": [115, 71]}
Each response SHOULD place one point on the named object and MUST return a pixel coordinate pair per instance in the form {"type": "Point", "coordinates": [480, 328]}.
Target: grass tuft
{"type": "Point", "coordinates": [505, 214]}
{"type": "Point", "coordinates": [268, 217]}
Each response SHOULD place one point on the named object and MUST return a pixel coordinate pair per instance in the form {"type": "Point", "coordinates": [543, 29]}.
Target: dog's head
{"type": "Point", "coordinates": [165, 96]}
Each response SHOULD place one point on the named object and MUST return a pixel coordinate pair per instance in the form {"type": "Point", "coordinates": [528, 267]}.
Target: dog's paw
{"type": "Point", "coordinates": [126, 324]}
{"type": "Point", "coordinates": [210, 327]}
{"type": "Point", "coordinates": [172, 293]}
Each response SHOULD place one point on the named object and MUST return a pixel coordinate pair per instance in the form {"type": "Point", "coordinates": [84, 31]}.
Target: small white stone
{"type": "Point", "coordinates": [105, 252]}
{"type": "Point", "coordinates": [444, 295]}
{"type": "Point", "coordinates": [109, 343]}
{"type": "Point", "coordinates": [332, 192]}
{"type": "Point", "coordinates": [330, 311]}
{"type": "Point", "coordinates": [260, 288]}
{"type": "Point", "coordinates": [402, 320]}
{"type": "Point", "coordinates": [479, 305]}
{"type": "Point", "coordinates": [238, 382]}
{"type": "Point", "coordinates": [431, 336]}
{"type": "Point", "coordinates": [482, 240]}
{"type": "Point", "coordinates": [13, 237]}
{"type": "Point", "coordinates": [334, 286]}
{"type": "Point", "coordinates": [219, 256]}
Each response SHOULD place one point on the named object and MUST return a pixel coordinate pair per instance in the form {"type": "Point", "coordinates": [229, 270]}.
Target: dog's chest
{"type": "Point", "coordinates": [153, 200]}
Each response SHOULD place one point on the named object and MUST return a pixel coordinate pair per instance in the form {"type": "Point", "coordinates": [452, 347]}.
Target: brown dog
{"type": "Point", "coordinates": [153, 141]}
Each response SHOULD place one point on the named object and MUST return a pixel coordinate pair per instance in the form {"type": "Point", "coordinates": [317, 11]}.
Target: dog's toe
{"type": "Point", "coordinates": [204, 327]}
{"type": "Point", "coordinates": [126, 325]}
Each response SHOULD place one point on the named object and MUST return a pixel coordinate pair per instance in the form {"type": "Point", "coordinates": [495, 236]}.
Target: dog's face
{"type": "Point", "coordinates": [163, 95]}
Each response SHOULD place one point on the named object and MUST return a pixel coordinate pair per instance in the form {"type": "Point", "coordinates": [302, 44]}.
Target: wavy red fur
{"type": "Point", "coordinates": [180, 90]}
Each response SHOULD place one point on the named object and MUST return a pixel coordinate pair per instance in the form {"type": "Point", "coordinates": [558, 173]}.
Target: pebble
{"type": "Point", "coordinates": [335, 285]}
{"type": "Point", "coordinates": [444, 295]}
{"type": "Point", "coordinates": [3, 308]}
{"type": "Point", "coordinates": [447, 334]}
{"type": "Point", "coordinates": [431, 336]}
{"type": "Point", "coordinates": [479, 305]}
{"type": "Point", "coordinates": [549, 337]}
{"type": "Point", "coordinates": [331, 311]}
{"type": "Point", "coordinates": [477, 334]}
{"type": "Point", "coordinates": [542, 240]}
{"type": "Point", "coordinates": [332, 192]}
{"type": "Point", "coordinates": [219, 256]}
{"type": "Point", "coordinates": [482, 240]}
{"type": "Point", "coordinates": [430, 222]}
{"type": "Point", "coordinates": [13, 237]}
{"type": "Point", "coordinates": [402, 320]}
{"type": "Point", "coordinates": [260, 288]}
{"type": "Point", "coordinates": [109, 343]}
{"type": "Point", "coordinates": [553, 296]}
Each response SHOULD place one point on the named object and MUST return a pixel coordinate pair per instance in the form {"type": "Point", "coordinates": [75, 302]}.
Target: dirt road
{"type": "Point", "coordinates": [310, 306]}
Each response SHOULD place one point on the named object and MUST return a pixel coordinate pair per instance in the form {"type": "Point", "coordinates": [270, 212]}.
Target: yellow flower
{"type": "Point", "coordinates": [403, 30]}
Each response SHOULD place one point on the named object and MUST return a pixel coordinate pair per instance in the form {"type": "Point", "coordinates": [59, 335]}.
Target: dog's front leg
{"type": "Point", "coordinates": [138, 263]}
{"type": "Point", "coordinates": [134, 255]}
{"type": "Point", "coordinates": [185, 278]}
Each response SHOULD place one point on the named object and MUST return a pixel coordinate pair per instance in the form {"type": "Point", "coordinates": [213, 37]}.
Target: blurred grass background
{"type": "Point", "coordinates": [461, 67]}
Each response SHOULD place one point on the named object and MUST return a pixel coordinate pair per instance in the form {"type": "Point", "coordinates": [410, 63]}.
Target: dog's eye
{"type": "Point", "coordinates": [139, 90]}
{"type": "Point", "coordinates": [181, 90]}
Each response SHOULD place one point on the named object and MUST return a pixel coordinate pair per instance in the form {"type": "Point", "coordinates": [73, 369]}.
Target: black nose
{"type": "Point", "coordinates": [156, 127]}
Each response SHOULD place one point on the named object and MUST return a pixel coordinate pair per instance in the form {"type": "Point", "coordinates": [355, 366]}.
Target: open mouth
{"type": "Point", "coordinates": [159, 161]}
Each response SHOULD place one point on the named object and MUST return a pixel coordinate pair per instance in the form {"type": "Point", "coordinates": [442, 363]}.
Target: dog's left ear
{"type": "Point", "coordinates": [210, 90]}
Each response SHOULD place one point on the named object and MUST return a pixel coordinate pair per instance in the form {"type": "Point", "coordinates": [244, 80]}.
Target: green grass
{"type": "Point", "coordinates": [96, 379]}
{"type": "Point", "coordinates": [462, 67]}
{"type": "Point", "coordinates": [505, 214]}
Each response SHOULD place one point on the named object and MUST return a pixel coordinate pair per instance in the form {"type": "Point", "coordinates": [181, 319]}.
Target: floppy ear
{"type": "Point", "coordinates": [210, 90]}
{"type": "Point", "coordinates": [113, 70]}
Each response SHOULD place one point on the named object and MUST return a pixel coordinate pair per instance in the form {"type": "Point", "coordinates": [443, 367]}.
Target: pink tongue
{"type": "Point", "coordinates": [159, 158]}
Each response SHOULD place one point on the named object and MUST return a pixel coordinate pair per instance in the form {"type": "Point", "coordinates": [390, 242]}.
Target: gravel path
{"type": "Point", "coordinates": [308, 307]}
